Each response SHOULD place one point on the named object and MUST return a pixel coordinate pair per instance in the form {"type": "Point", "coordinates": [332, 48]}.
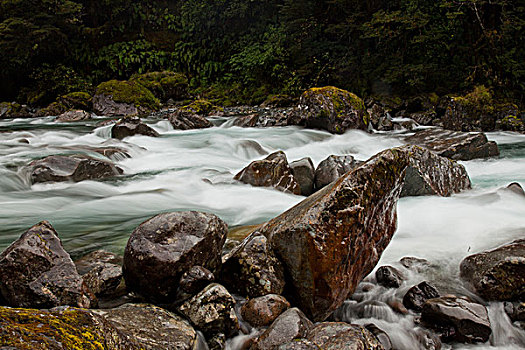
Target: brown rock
{"type": "Point", "coordinates": [130, 126]}
{"type": "Point", "coordinates": [95, 258]}
{"type": "Point", "coordinates": [332, 239]}
{"type": "Point", "coordinates": [162, 248]}
{"type": "Point", "coordinates": [70, 168]}
{"type": "Point", "coordinates": [37, 272]}
{"type": "Point", "coordinates": [273, 171]}
{"type": "Point", "coordinates": [332, 168]}
{"type": "Point", "coordinates": [195, 279]}
{"type": "Point", "coordinates": [182, 120]}
{"type": "Point", "coordinates": [262, 311]}
{"type": "Point", "coordinates": [74, 116]}
{"type": "Point", "coordinates": [497, 274]}
{"type": "Point", "coordinates": [340, 335]}
{"type": "Point", "coordinates": [416, 296]}
{"type": "Point", "coordinates": [455, 145]}
{"type": "Point", "coordinates": [389, 277]}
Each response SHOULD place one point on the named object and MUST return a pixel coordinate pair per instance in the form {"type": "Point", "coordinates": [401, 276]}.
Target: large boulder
{"type": "Point", "coordinates": [59, 329]}
{"type": "Point", "coordinates": [272, 171]}
{"type": "Point", "coordinates": [457, 319]}
{"type": "Point", "coordinates": [37, 272]}
{"type": "Point", "coordinates": [497, 274]}
{"type": "Point", "coordinates": [340, 335]}
{"type": "Point", "coordinates": [455, 145]}
{"type": "Point", "coordinates": [262, 311]}
{"type": "Point", "coordinates": [332, 109]}
{"type": "Point", "coordinates": [151, 327]}
{"type": "Point", "coordinates": [304, 173]}
{"type": "Point", "coordinates": [130, 126]}
{"type": "Point", "coordinates": [162, 248]}
{"type": "Point", "coordinates": [122, 98]}
{"type": "Point", "coordinates": [212, 311]}
{"type": "Point", "coordinates": [291, 324]}
{"type": "Point", "coordinates": [70, 168]}
{"type": "Point", "coordinates": [332, 168]}
{"type": "Point", "coordinates": [332, 239]}
{"type": "Point", "coordinates": [252, 269]}
{"type": "Point", "coordinates": [430, 174]}
{"type": "Point", "coordinates": [181, 120]}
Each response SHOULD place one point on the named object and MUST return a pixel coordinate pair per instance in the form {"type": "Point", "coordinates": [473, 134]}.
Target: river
{"type": "Point", "coordinates": [184, 170]}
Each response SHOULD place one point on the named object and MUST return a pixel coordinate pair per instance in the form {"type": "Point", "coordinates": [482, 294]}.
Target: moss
{"type": "Point", "coordinates": [340, 97]}
{"type": "Point", "coordinates": [129, 92]}
{"type": "Point", "coordinates": [202, 107]}
{"type": "Point", "coordinates": [36, 329]}
{"type": "Point", "coordinates": [478, 101]}
{"type": "Point", "coordinates": [77, 100]}
{"type": "Point", "coordinates": [164, 85]}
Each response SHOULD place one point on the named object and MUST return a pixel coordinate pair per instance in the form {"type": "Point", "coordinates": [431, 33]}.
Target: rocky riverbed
{"type": "Point", "coordinates": [373, 259]}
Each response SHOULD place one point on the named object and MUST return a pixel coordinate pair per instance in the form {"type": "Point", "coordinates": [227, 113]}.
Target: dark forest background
{"type": "Point", "coordinates": [251, 49]}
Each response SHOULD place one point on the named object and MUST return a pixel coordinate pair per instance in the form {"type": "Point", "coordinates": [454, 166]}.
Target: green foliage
{"type": "Point", "coordinates": [129, 92]}
{"type": "Point", "coordinates": [164, 85]}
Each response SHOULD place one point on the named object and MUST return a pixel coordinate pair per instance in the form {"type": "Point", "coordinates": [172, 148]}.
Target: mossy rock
{"type": "Point", "coordinates": [471, 112]}
{"type": "Point", "coordinates": [129, 92]}
{"type": "Point", "coordinates": [77, 100]}
{"type": "Point", "coordinates": [60, 328]}
{"type": "Point", "coordinates": [332, 109]}
{"type": "Point", "coordinates": [201, 107]}
{"type": "Point", "coordinates": [13, 110]}
{"type": "Point", "coordinates": [164, 85]}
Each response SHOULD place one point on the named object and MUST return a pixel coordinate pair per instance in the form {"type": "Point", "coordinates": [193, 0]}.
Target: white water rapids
{"type": "Point", "coordinates": [193, 170]}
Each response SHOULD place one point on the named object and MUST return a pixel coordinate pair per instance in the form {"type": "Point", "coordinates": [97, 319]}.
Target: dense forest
{"type": "Point", "coordinates": [249, 49]}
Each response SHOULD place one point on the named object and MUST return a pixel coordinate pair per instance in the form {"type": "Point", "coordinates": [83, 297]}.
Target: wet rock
{"type": "Point", "coordinates": [59, 329]}
{"type": "Point", "coordinates": [162, 248]}
{"type": "Point", "coordinates": [273, 171]}
{"type": "Point", "coordinates": [10, 110]}
{"type": "Point", "coordinates": [252, 269]}
{"type": "Point", "coordinates": [416, 296]}
{"type": "Point", "coordinates": [217, 342]}
{"type": "Point", "coordinates": [427, 339]}
{"type": "Point", "coordinates": [389, 277]}
{"type": "Point", "coordinates": [457, 319]}
{"type": "Point", "coordinates": [131, 126]}
{"type": "Point", "coordinates": [292, 324]}
{"type": "Point", "coordinates": [497, 274]}
{"type": "Point", "coordinates": [340, 335]}
{"type": "Point", "coordinates": [379, 118]}
{"type": "Point", "coordinates": [397, 306]}
{"type": "Point", "coordinates": [95, 258]}
{"type": "Point", "coordinates": [356, 213]}
{"type": "Point", "coordinates": [212, 311]}
{"type": "Point", "coordinates": [515, 311]}
{"type": "Point", "coordinates": [331, 109]}
{"type": "Point", "coordinates": [264, 118]}
{"type": "Point", "coordinates": [105, 280]}
{"type": "Point", "coordinates": [229, 245]}
{"type": "Point", "coordinates": [381, 335]}
{"type": "Point", "coordinates": [151, 327]}
{"type": "Point", "coordinates": [298, 344]}
{"type": "Point", "coordinates": [430, 174]}
{"type": "Point", "coordinates": [195, 279]}
{"type": "Point", "coordinates": [104, 105]}
{"type": "Point", "coordinates": [516, 188]}
{"type": "Point", "coordinates": [304, 173]}
{"type": "Point", "coordinates": [332, 168]}
{"type": "Point", "coordinates": [262, 311]}
{"type": "Point", "coordinates": [413, 263]}
{"type": "Point", "coordinates": [70, 168]}
{"type": "Point", "coordinates": [74, 116]}
{"type": "Point", "coordinates": [455, 145]}
{"type": "Point", "coordinates": [181, 120]}
{"type": "Point", "coordinates": [37, 272]}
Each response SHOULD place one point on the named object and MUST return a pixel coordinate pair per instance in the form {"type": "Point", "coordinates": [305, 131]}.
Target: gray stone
{"type": "Point", "coordinates": [304, 173]}
{"type": "Point", "coordinates": [332, 168]}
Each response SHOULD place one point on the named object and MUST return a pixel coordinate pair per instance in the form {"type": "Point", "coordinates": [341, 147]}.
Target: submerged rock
{"type": "Point", "coordinates": [304, 173]}
{"type": "Point", "coordinates": [131, 126]}
{"type": "Point", "coordinates": [497, 274]}
{"type": "Point", "coordinates": [181, 120]}
{"type": "Point", "coordinates": [162, 248]}
{"type": "Point", "coordinates": [389, 277]}
{"type": "Point", "coordinates": [455, 145]}
{"type": "Point", "coordinates": [416, 296]}
{"type": "Point", "coordinates": [59, 329]}
{"type": "Point", "coordinates": [251, 269]}
{"type": "Point", "coordinates": [151, 327]}
{"type": "Point", "coordinates": [70, 168]}
{"type": "Point", "coordinates": [328, 242]}
{"type": "Point", "coordinates": [212, 311]}
{"type": "Point", "coordinates": [292, 324]}
{"type": "Point", "coordinates": [37, 272]}
{"type": "Point", "coordinates": [516, 188]}
{"type": "Point", "coordinates": [273, 171]}
{"type": "Point", "coordinates": [340, 335]}
{"type": "Point", "coordinates": [331, 109]}
{"type": "Point", "coordinates": [430, 174]}
{"type": "Point", "coordinates": [332, 168]}
{"type": "Point", "coordinates": [457, 319]}
{"type": "Point", "coordinates": [262, 311]}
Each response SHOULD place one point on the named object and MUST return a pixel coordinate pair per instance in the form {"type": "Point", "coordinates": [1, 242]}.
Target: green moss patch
{"type": "Point", "coordinates": [164, 85]}
{"type": "Point", "coordinates": [130, 92]}
{"type": "Point", "coordinates": [201, 107]}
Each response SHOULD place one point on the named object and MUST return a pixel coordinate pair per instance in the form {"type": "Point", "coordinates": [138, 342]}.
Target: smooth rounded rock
{"type": "Point", "coordinates": [163, 248]}
{"type": "Point", "coordinates": [262, 311]}
{"type": "Point", "coordinates": [304, 173]}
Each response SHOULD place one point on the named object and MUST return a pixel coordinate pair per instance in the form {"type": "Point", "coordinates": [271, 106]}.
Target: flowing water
{"type": "Point", "coordinates": [193, 170]}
